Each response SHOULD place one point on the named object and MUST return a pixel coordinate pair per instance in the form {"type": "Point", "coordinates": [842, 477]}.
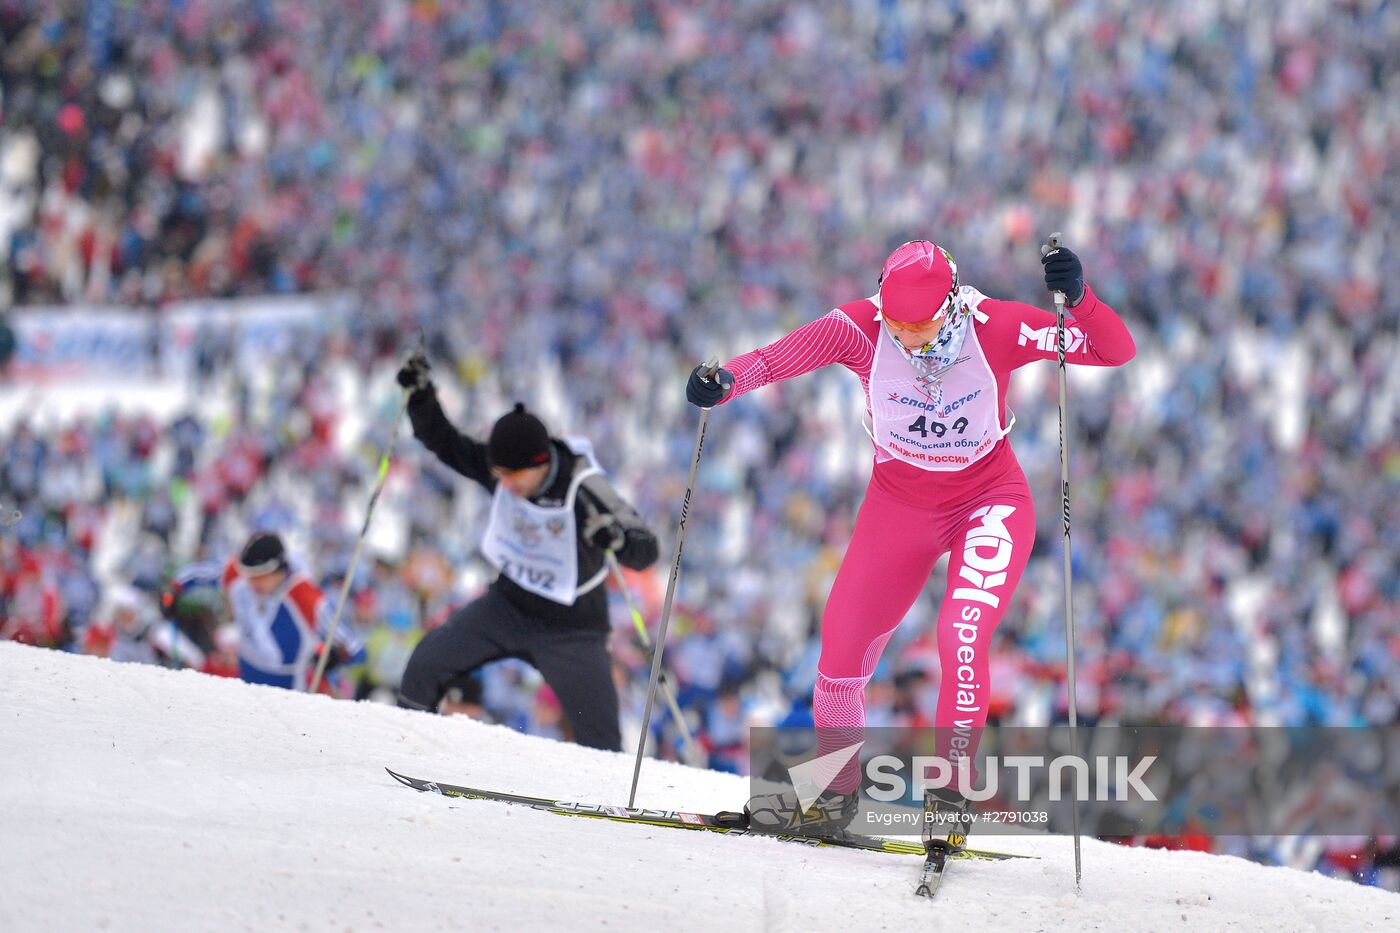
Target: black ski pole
{"type": "Point", "coordinates": [713, 366]}
{"type": "Point", "coordinates": [693, 755]}
{"type": "Point", "coordinates": [1049, 247]}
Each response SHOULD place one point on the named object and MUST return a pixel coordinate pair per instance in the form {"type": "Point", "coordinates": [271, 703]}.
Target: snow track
{"type": "Point", "coordinates": [135, 798]}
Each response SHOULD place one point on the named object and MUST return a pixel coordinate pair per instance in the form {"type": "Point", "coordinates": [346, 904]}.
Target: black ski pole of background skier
{"type": "Point", "coordinates": [1052, 245]}
{"type": "Point", "coordinates": [693, 755]}
{"type": "Point", "coordinates": [713, 369]}
{"type": "Point", "coordinates": [364, 530]}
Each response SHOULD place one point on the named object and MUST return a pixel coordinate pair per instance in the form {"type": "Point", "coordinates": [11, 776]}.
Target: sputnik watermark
{"type": "Point", "coordinates": [913, 820]}
{"type": "Point", "coordinates": [1116, 777]}
{"type": "Point", "coordinates": [810, 779]}
{"type": "Point", "coordinates": [1128, 780]}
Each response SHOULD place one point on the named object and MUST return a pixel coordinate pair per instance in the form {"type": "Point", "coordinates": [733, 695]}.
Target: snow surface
{"type": "Point", "coordinates": [136, 798]}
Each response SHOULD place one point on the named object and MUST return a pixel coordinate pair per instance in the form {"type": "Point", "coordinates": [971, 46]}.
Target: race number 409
{"type": "Point", "coordinates": [925, 426]}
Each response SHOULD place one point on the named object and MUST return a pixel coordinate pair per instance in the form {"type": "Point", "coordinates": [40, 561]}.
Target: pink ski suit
{"type": "Point", "coordinates": [944, 480]}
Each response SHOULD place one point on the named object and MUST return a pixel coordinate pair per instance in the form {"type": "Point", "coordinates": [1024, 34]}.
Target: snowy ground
{"type": "Point", "coordinates": [135, 798]}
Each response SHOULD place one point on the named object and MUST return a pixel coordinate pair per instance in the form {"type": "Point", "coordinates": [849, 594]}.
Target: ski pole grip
{"type": "Point", "coordinates": [1050, 245]}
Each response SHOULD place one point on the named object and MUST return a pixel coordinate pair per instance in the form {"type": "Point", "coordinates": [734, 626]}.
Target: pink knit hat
{"type": "Point", "coordinates": [916, 283]}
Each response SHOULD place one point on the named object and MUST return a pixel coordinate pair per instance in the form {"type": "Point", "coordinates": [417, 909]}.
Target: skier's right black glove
{"type": "Point", "coordinates": [414, 374]}
{"type": "Point", "coordinates": [706, 390]}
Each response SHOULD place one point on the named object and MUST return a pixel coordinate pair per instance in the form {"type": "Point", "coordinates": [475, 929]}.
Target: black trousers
{"type": "Point", "coordinates": [574, 662]}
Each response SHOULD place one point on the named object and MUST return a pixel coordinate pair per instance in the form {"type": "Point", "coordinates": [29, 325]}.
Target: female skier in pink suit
{"type": "Point", "coordinates": [934, 358]}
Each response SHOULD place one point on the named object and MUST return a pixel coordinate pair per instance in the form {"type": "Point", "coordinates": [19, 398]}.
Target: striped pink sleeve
{"type": "Point", "coordinates": [834, 338]}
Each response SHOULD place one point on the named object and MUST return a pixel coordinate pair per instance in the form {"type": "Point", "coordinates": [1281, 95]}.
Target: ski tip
{"type": "Point", "coordinates": [399, 777]}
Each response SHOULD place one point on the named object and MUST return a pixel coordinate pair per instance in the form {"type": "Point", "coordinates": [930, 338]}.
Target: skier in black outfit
{"type": "Point", "coordinates": [553, 516]}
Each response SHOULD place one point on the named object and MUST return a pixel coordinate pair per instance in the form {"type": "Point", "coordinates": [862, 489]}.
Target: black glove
{"type": "Point", "coordinates": [169, 597]}
{"type": "Point", "coordinates": [707, 392]}
{"type": "Point", "coordinates": [604, 531]}
{"type": "Point", "coordinates": [339, 656]}
{"type": "Point", "coordinates": [413, 375]}
{"type": "Point", "coordinates": [1064, 273]}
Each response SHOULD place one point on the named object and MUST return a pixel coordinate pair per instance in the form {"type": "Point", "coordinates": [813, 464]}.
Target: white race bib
{"type": "Point", "coordinates": [537, 546]}
{"type": "Point", "coordinates": [946, 426]}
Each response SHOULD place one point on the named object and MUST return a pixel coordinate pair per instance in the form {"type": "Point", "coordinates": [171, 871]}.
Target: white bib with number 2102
{"type": "Point", "coordinates": [537, 546]}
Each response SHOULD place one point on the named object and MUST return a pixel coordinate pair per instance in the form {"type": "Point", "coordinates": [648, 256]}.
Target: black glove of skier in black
{"type": "Point", "coordinates": [414, 374]}
{"type": "Point", "coordinates": [604, 531]}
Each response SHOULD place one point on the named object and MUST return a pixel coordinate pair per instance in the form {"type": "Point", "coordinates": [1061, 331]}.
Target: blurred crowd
{"type": "Point", "coordinates": [577, 201]}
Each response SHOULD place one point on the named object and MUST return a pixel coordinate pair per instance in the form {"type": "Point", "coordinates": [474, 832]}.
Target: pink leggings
{"type": "Point", "coordinates": [889, 559]}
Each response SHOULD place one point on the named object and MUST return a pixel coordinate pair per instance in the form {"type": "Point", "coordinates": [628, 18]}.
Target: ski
{"type": "Point", "coordinates": [680, 820]}
{"type": "Point", "coordinates": [937, 851]}
{"type": "Point", "coordinates": [931, 874]}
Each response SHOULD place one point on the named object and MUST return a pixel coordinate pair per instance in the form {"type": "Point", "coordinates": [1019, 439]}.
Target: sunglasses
{"type": "Point", "coordinates": [937, 318]}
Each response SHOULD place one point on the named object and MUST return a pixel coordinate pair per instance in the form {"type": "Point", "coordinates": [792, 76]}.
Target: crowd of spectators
{"type": "Point", "coordinates": [577, 201]}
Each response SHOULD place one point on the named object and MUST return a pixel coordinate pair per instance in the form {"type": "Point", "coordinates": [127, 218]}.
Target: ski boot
{"type": "Point", "coordinates": [828, 816]}
{"type": "Point", "coordinates": [947, 821]}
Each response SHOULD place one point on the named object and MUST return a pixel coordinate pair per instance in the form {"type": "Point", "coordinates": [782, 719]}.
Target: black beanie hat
{"type": "Point", "coordinates": [518, 441]}
{"type": "Point", "coordinates": [262, 554]}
